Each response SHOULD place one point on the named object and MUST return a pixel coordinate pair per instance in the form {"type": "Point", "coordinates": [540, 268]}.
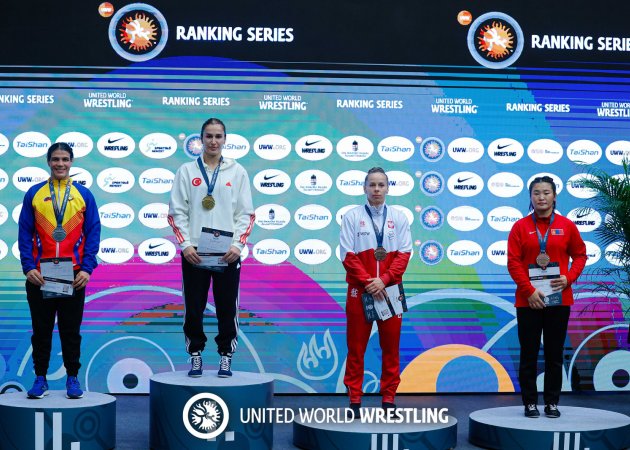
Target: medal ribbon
{"type": "Point", "coordinates": [542, 241]}
{"type": "Point", "coordinates": [215, 174]}
{"type": "Point", "coordinates": [59, 211]}
{"type": "Point", "coordinates": [379, 234]}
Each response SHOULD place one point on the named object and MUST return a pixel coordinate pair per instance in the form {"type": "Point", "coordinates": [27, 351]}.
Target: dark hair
{"type": "Point", "coordinates": [545, 179]}
{"type": "Point", "coordinates": [213, 121]}
{"type": "Point", "coordinates": [375, 170]}
{"type": "Point", "coordinates": [59, 146]}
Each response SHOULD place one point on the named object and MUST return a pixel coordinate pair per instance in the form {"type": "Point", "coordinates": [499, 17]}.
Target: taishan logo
{"type": "Point", "coordinates": [138, 32]}
{"type": "Point", "coordinates": [495, 40]}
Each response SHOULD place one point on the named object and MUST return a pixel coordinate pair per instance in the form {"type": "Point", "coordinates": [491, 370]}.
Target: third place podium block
{"type": "Point", "coordinates": [577, 429]}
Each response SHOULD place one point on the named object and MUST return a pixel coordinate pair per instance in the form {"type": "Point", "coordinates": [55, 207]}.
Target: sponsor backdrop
{"type": "Point", "coordinates": [461, 103]}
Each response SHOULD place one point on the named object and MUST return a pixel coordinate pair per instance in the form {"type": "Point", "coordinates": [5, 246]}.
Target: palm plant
{"type": "Point", "coordinates": [612, 199]}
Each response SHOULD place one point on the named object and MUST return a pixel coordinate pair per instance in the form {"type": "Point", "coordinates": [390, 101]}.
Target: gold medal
{"type": "Point", "coordinates": [208, 202]}
{"type": "Point", "coordinates": [543, 260]}
{"type": "Point", "coordinates": [380, 253]}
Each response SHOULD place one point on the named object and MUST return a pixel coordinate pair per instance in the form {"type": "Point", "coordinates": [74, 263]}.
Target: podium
{"type": "Point", "coordinates": [576, 429]}
{"type": "Point", "coordinates": [205, 412]}
{"type": "Point", "coordinates": [361, 435]}
{"type": "Point", "coordinates": [56, 422]}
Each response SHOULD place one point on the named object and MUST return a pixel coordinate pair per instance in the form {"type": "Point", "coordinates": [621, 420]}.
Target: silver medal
{"type": "Point", "coordinates": [59, 234]}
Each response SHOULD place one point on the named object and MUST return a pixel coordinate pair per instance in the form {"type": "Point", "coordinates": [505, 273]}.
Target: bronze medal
{"type": "Point", "coordinates": [543, 260]}
{"type": "Point", "coordinates": [208, 202]}
{"type": "Point", "coordinates": [380, 253]}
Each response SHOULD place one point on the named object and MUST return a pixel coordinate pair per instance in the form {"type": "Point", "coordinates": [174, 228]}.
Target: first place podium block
{"type": "Point", "coordinates": [577, 429]}
{"type": "Point", "coordinates": [55, 422]}
{"type": "Point", "coordinates": [205, 412]}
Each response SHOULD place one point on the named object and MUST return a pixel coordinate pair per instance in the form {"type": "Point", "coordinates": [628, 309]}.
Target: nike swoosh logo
{"type": "Point", "coordinates": [579, 216]}
{"type": "Point", "coordinates": [269, 178]}
{"type": "Point", "coordinates": [501, 147]}
{"type": "Point", "coordinates": [152, 246]}
{"type": "Point", "coordinates": [308, 144]}
{"type": "Point", "coordinates": [459, 180]}
{"type": "Point", "coordinates": [531, 232]}
{"type": "Point", "coordinates": [111, 141]}
{"type": "Point", "coordinates": [72, 175]}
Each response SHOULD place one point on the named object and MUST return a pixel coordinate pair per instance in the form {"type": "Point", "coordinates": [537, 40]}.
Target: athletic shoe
{"type": "Point", "coordinates": [388, 405]}
{"type": "Point", "coordinates": [356, 410]}
{"type": "Point", "coordinates": [225, 366]}
{"type": "Point", "coordinates": [196, 365]}
{"type": "Point", "coordinates": [39, 389]}
{"type": "Point", "coordinates": [531, 411]}
{"type": "Point", "coordinates": [73, 388]}
{"type": "Point", "coordinates": [551, 410]}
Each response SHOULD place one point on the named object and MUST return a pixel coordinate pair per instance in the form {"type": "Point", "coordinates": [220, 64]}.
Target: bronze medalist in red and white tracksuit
{"type": "Point", "coordinates": [357, 244]}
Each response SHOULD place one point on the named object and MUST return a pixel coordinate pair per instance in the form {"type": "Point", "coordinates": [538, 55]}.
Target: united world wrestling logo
{"type": "Point", "coordinates": [432, 183]}
{"type": "Point", "coordinates": [431, 252]}
{"type": "Point", "coordinates": [205, 415]}
{"type": "Point", "coordinates": [138, 32]}
{"type": "Point", "coordinates": [432, 218]}
{"type": "Point", "coordinates": [432, 149]}
{"type": "Point", "coordinates": [193, 147]}
{"type": "Point", "coordinates": [495, 40]}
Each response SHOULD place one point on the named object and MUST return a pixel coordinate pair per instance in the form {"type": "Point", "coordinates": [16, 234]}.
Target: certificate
{"type": "Point", "coordinates": [374, 309]}
{"type": "Point", "coordinates": [213, 245]}
{"type": "Point", "coordinates": [396, 297]}
{"type": "Point", "coordinates": [58, 275]}
{"type": "Point", "coordinates": [541, 280]}
{"type": "Point", "coordinates": [394, 304]}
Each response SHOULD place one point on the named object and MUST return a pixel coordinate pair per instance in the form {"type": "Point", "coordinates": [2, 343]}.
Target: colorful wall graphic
{"type": "Point", "coordinates": [462, 104]}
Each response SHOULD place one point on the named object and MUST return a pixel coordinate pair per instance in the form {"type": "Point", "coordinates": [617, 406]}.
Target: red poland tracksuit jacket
{"type": "Point", "coordinates": [357, 244]}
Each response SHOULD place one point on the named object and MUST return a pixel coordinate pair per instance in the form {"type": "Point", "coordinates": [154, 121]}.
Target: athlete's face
{"type": "Point", "coordinates": [60, 164]}
{"type": "Point", "coordinates": [213, 139]}
{"type": "Point", "coordinates": [543, 198]}
{"type": "Point", "coordinates": [376, 188]}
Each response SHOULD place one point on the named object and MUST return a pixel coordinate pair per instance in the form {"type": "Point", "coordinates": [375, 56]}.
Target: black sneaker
{"type": "Point", "coordinates": [531, 411]}
{"type": "Point", "coordinates": [356, 410]}
{"type": "Point", "coordinates": [388, 405]}
{"type": "Point", "coordinates": [551, 411]}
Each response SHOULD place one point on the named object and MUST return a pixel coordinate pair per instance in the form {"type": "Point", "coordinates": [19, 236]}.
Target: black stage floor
{"type": "Point", "coordinates": [132, 421]}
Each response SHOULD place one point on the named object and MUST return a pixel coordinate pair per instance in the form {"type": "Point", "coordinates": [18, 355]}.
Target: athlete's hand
{"type": "Point", "coordinates": [559, 284]}
{"type": "Point", "coordinates": [81, 280]}
{"type": "Point", "coordinates": [232, 255]}
{"type": "Point", "coordinates": [35, 277]}
{"type": "Point", "coordinates": [190, 254]}
{"type": "Point", "coordinates": [376, 288]}
{"type": "Point", "coordinates": [536, 300]}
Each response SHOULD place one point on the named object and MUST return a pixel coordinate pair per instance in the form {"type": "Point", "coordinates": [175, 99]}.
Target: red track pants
{"type": "Point", "coordinates": [358, 334]}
